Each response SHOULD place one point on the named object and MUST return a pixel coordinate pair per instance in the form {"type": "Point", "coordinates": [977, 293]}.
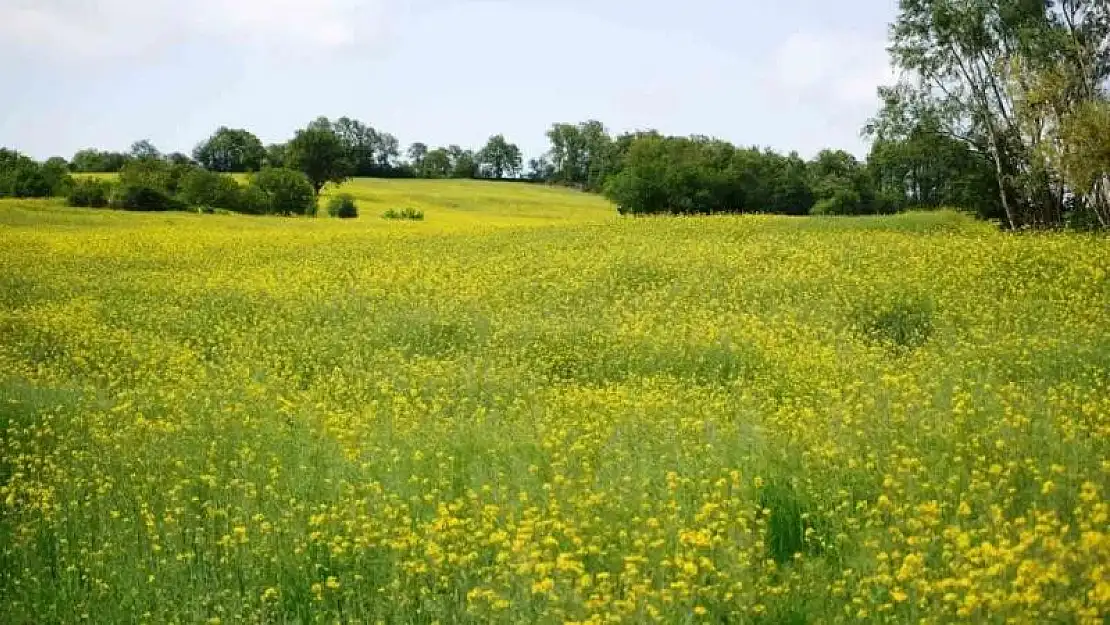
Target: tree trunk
{"type": "Point", "coordinates": [1000, 174]}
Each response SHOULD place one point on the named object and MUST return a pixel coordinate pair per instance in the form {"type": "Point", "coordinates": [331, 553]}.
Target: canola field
{"type": "Point", "coordinates": [526, 409]}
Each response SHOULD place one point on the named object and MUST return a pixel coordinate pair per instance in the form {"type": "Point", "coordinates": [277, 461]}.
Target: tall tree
{"type": "Point", "coordinates": [417, 153]}
{"type": "Point", "coordinates": [387, 149]}
{"type": "Point", "coordinates": [144, 149]}
{"type": "Point", "coordinates": [464, 163]}
{"type": "Point", "coordinates": [499, 158]}
{"type": "Point", "coordinates": [568, 153]}
{"type": "Point", "coordinates": [361, 142]}
{"type": "Point", "coordinates": [90, 160]}
{"type": "Point", "coordinates": [320, 154]}
{"type": "Point", "coordinates": [230, 150]}
{"type": "Point", "coordinates": [1002, 76]}
{"type": "Point", "coordinates": [436, 164]}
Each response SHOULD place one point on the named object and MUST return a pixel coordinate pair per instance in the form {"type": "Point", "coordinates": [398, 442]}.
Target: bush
{"type": "Point", "coordinates": [343, 207]}
{"type": "Point", "coordinates": [404, 213]}
{"type": "Point", "coordinates": [254, 201]}
{"type": "Point", "coordinates": [89, 193]}
{"type": "Point", "coordinates": [206, 189]}
{"type": "Point", "coordinates": [139, 197]}
{"type": "Point", "coordinates": [56, 172]}
{"type": "Point", "coordinates": [20, 176]}
{"type": "Point", "coordinates": [281, 191]}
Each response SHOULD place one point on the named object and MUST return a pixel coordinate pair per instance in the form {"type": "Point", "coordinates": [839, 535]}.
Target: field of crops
{"type": "Point", "coordinates": [526, 409]}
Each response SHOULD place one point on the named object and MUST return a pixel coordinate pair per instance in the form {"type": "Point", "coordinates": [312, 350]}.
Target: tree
{"type": "Point", "coordinates": [1002, 76]}
{"type": "Point", "coordinates": [417, 153]}
{"type": "Point", "coordinates": [842, 186]}
{"type": "Point", "coordinates": [231, 150]}
{"type": "Point", "coordinates": [582, 155]}
{"type": "Point", "coordinates": [436, 164]}
{"type": "Point", "coordinates": [1085, 134]}
{"type": "Point", "coordinates": [275, 155]}
{"type": "Point", "coordinates": [282, 191]}
{"type": "Point", "coordinates": [21, 176]}
{"type": "Point", "coordinates": [386, 151]}
{"type": "Point", "coordinates": [178, 158]}
{"type": "Point", "coordinates": [464, 164]}
{"type": "Point", "coordinates": [499, 157]}
{"type": "Point", "coordinates": [360, 141]}
{"type": "Point", "coordinates": [540, 169]}
{"type": "Point", "coordinates": [203, 188]}
{"type": "Point", "coordinates": [90, 160]}
{"type": "Point", "coordinates": [320, 154]}
{"type": "Point", "coordinates": [568, 153]}
{"type": "Point", "coordinates": [144, 149]}
{"type": "Point", "coordinates": [55, 170]}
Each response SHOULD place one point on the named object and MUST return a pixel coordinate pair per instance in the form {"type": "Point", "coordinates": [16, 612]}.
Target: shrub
{"type": "Point", "coordinates": [282, 191]}
{"type": "Point", "coordinates": [89, 193]}
{"type": "Point", "coordinates": [20, 176]}
{"type": "Point", "coordinates": [56, 172]}
{"type": "Point", "coordinates": [343, 207]}
{"type": "Point", "coordinates": [207, 189]}
{"type": "Point", "coordinates": [140, 197]}
{"type": "Point", "coordinates": [404, 213]}
{"type": "Point", "coordinates": [254, 201]}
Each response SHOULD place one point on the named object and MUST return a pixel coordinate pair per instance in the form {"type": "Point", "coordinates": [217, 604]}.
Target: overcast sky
{"type": "Point", "coordinates": [795, 75]}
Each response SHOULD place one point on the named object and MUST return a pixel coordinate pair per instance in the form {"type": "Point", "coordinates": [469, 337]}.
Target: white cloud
{"type": "Point", "coordinates": [838, 68]}
{"type": "Point", "coordinates": [98, 29]}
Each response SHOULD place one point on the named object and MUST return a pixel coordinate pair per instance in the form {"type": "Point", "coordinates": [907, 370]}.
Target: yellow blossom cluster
{"type": "Point", "coordinates": [744, 419]}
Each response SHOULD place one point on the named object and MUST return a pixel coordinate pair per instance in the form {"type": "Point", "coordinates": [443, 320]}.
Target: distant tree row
{"type": "Point", "coordinates": [156, 184]}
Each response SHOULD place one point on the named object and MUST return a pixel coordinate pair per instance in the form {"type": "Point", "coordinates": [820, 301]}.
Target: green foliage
{"type": "Point", "coordinates": [144, 150]}
{"type": "Point", "coordinates": [208, 189]}
{"type": "Point", "coordinates": [1005, 78]}
{"type": "Point", "coordinates": [96, 161]}
{"type": "Point", "coordinates": [56, 171]}
{"type": "Point", "coordinates": [143, 196]}
{"type": "Point", "coordinates": [499, 158]}
{"type": "Point", "coordinates": [154, 173]}
{"type": "Point", "coordinates": [464, 163]}
{"type": "Point", "coordinates": [701, 175]}
{"type": "Point", "coordinates": [89, 193]}
{"type": "Point", "coordinates": [343, 206]}
{"type": "Point", "coordinates": [21, 176]}
{"type": "Point", "coordinates": [231, 150]}
{"type": "Point", "coordinates": [786, 525]}
{"type": "Point", "coordinates": [436, 164]}
{"type": "Point", "coordinates": [898, 321]}
{"type": "Point", "coordinates": [253, 200]}
{"type": "Point", "coordinates": [1085, 163]}
{"type": "Point", "coordinates": [582, 155]}
{"type": "Point", "coordinates": [275, 155]}
{"type": "Point", "coordinates": [280, 191]}
{"type": "Point", "coordinates": [915, 164]}
{"type": "Point", "coordinates": [410, 214]}
{"type": "Point", "coordinates": [319, 153]}
{"type": "Point", "coordinates": [842, 186]}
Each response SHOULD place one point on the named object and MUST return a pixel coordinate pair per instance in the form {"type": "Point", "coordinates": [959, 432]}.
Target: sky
{"type": "Point", "coordinates": [798, 75]}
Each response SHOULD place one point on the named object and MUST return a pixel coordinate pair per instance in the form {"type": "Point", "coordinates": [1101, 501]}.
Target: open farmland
{"type": "Point", "coordinates": [526, 409]}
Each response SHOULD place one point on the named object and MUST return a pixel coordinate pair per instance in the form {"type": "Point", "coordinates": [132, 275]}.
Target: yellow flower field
{"type": "Point", "coordinates": [528, 410]}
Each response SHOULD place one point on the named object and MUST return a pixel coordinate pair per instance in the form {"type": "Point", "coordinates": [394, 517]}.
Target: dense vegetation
{"type": "Point", "coordinates": [750, 419]}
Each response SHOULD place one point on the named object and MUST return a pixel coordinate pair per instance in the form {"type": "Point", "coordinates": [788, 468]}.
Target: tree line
{"type": "Point", "coordinates": [642, 172]}
{"type": "Point", "coordinates": [1001, 110]}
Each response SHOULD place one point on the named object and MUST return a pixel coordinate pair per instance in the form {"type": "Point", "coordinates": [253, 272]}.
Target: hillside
{"type": "Point", "coordinates": [222, 418]}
